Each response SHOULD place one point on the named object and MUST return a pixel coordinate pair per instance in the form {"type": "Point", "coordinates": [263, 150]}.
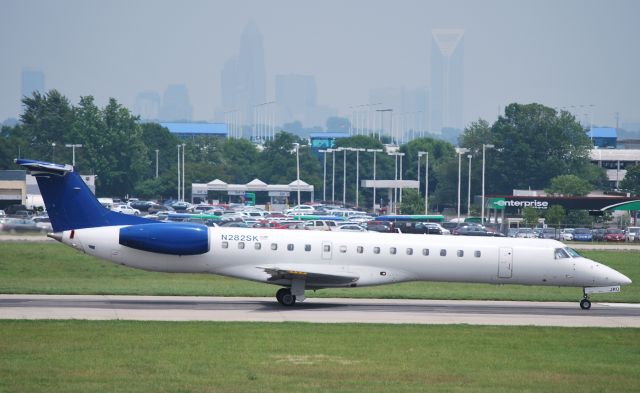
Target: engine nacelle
{"type": "Point", "coordinates": [167, 238]}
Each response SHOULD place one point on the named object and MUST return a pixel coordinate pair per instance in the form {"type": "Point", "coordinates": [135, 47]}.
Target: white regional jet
{"type": "Point", "coordinates": [300, 260]}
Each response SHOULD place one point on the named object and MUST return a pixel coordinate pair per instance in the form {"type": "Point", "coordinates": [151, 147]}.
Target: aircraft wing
{"type": "Point", "coordinates": [313, 275]}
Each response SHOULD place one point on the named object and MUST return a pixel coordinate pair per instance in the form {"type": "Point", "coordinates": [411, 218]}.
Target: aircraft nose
{"type": "Point", "coordinates": [617, 278]}
{"type": "Point", "coordinates": [623, 280]}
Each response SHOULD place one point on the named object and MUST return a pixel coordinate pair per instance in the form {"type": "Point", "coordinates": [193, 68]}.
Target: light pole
{"type": "Point", "coordinates": [73, 152]}
{"type": "Point", "coordinates": [469, 189]}
{"type": "Point", "coordinates": [183, 170]}
{"type": "Point", "coordinates": [358, 150]}
{"type": "Point", "coordinates": [374, 151]}
{"type": "Point", "coordinates": [426, 178]}
{"type": "Point", "coordinates": [157, 163]}
{"type": "Point", "coordinates": [460, 152]}
{"type": "Point", "coordinates": [333, 174]}
{"type": "Point", "coordinates": [484, 146]}
{"type": "Point", "coordinates": [53, 152]}
{"type": "Point", "coordinates": [344, 174]}
{"type": "Point", "coordinates": [179, 188]}
{"type": "Point", "coordinates": [395, 177]}
{"type": "Point", "coordinates": [297, 147]}
{"type": "Point", "coordinates": [324, 176]}
{"type": "Point", "coordinates": [401, 159]}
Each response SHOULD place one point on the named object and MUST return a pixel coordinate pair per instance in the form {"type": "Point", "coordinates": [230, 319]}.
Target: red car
{"type": "Point", "coordinates": [614, 235]}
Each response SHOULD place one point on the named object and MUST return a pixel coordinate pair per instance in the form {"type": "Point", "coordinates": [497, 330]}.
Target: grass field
{"type": "Point", "coordinates": [117, 356]}
{"type": "Point", "coordinates": [52, 268]}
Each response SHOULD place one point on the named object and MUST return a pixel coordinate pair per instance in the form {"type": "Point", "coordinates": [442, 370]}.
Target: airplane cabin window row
{"type": "Point", "coordinates": [560, 253]}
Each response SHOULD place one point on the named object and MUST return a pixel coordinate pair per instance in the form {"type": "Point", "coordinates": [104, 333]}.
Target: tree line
{"type": "Point", "coordinates": [529, 146]}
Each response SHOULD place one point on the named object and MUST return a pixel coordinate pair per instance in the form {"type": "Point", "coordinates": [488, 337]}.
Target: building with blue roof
{"type": "Point", "coordinates": [325, 140]}
{"type": "Point", "coordinates": [192, 130]}
{"type": "Point", "coordinates": [604, 137]}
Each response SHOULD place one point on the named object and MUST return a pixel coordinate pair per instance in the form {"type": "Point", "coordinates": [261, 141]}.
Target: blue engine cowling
{"type": "Point", "coordinates": [167, 238]}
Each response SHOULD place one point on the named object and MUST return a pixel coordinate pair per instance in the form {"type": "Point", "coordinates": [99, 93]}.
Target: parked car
{"type": "Point", "coordinates": [527, 233]}
{"type": "Point", "coordinates": [582, 235]}
{"type": "Point", "coordinates": [300, 210]}
{"type": "Point", "coordinates": [548, 233]}
{"type": "Point", "coordinates": [43, 223]}
{"type": "Point", "coordinates": [125, 210]}
{"type": "Point", "coordinates": [156, 208]}
{"type": "Point", "coordinates": [598, 234]}
{"type": "Point", "coordinates": [614, 235]}
{"type": "Point", "coordinates": [633, 234]}
{"type": "Point", "coordinates": [13, 225]}
{"type": "Point", "coordinates": [320, 225]}
{"type": "Point", "coordinates": [566, 234]}
{"type": "Point", "coordinates": [472, 230]}
{"type": "Point", "coordinates": [380, 226]}
{"type": "Point", "coordinates": [349, 228]}
{"type": "Point", "coordinates": [142, 206]}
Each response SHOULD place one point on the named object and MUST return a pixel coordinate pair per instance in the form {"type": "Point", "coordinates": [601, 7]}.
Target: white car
{"type": "Point", "coordinates": [566, 234]}
{"type": "Point", "coordinates": [126, 210]}
{"type": "Point", "coordinates": [300, 209]}
{"type": "Point", "coordinates": [349, 228]}
{"type": "Point", "coordinates": [633, 234]}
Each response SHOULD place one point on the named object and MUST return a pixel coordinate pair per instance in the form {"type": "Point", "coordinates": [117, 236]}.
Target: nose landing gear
{"type": "Point", "coordinates": [585, 303]}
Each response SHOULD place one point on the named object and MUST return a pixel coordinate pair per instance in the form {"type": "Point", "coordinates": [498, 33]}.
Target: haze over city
{"type": "Point", "coordinates": [578, 55]}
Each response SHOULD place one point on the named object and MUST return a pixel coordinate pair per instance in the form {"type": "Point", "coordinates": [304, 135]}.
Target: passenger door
{"type": "Point", "coordinates": [505, 263]}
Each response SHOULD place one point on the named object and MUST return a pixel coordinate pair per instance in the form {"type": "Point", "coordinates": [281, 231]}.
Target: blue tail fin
{"type": "Point", "coordinates": [69, 202]}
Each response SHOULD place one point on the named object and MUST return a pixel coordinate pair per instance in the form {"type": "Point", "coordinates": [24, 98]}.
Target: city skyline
{"type": "Point", "coordinates": [576, 55]}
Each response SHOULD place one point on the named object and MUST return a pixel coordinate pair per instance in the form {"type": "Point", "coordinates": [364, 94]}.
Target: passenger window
{"type": "Point", "coordinates": [477, 254]}
{"type": "Point", "coordinates": [376, 250]}
{"type": "Point", "coordinates": [409, 251]}
{"type": "Point", "coordinates": [392, 250]}
{"type": "Point", "coordinates": [307, 247]}
{"type": "Point", "coordinates": [460, 253]}
{"type": "Point", "coordinates": [327, 248]}
{"type": "Point", "coordinates": [360, 249]}
{"type": "Point", "coordinates": [290, 247]}
{"type": "Point", "coordinates": [425, 252]}
{"type": "Point", "coordinates": [225, 244]}
{"type": "Point", "coordinates": [257, 245]}
{"type": "Point", "coordinates": [274, 246]}
{"type": "Point", "coordinates": [343, 249]}
{"type": "Point", "coordinates": [241, 245]}
{"type": "Point", "coordinates": [443, 252]}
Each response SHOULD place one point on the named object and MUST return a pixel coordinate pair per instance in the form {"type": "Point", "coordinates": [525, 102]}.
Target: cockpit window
{"type": "Point", "coordinates": [560, 253]}
{"type": "Point", "coordinates": [572, 252]}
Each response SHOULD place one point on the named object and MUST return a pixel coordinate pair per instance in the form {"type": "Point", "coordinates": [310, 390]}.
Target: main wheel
{"type": "Point", "coordinates": [285, 297]}
{"type": "Point", "coordinates": [585, 304]}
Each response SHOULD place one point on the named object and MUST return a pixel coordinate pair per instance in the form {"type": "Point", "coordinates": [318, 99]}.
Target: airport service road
{"type": "Point", "coordinates": [317, 310]}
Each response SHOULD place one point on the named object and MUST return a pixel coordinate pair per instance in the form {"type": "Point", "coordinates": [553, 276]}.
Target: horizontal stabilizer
{"type": "Point", "coordinates": [41, 167]}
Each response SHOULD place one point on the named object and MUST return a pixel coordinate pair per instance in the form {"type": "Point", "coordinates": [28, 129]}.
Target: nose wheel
{"type": "Point", "coordinates": [285, 297]}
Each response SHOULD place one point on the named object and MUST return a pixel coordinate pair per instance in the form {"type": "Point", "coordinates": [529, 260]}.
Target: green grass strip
{"type": "Point", "coordinates": [119, 356]}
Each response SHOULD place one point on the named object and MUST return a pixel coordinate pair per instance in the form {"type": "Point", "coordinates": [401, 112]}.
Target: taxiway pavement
{"type": "Point", "coordinates": [317, 310]}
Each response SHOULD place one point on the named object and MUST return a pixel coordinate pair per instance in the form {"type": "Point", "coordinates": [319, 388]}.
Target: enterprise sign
{"type": "Point", "coordinates": [512, 203]}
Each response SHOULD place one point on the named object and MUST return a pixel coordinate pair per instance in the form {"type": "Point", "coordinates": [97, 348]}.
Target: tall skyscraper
{"type": "Point", "coordinates": [32, 80]}
{"type": "Point", "coordinates": [176, 105]}
{"type": "Point", "coordinates": [447, 79]}
{"type": "Point", "coordinates": [243, 78]}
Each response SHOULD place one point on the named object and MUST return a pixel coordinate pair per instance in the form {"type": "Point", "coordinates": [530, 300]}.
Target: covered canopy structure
{"type": "Point", "coordinates": [278, 193]}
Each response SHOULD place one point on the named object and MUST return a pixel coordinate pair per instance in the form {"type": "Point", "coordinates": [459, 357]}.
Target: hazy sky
{"type": "Point", "coordinates": [558, 53]}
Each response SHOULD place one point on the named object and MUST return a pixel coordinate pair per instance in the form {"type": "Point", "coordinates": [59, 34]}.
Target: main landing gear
{"type": "Point", "coordinates": [285, 297]}
{"type": "Point", "coordinates": [585, 303]}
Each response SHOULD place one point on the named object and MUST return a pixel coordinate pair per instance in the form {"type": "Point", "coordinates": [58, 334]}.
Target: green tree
{"type": "Point", "coordinates": [412, 202]}
{"type": "Point", "coordinates": [555, 215]}
{"type": "Point", "coordinates": [579, 218]}
{"type": "Point", "coordinates": [631, 181]}
{"type": "Point", "coordinates": [569, 185]}
{"type": "Point", "coordinates": [535, 143]}
{"type": "Point", "coordinates": [530, 216]}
